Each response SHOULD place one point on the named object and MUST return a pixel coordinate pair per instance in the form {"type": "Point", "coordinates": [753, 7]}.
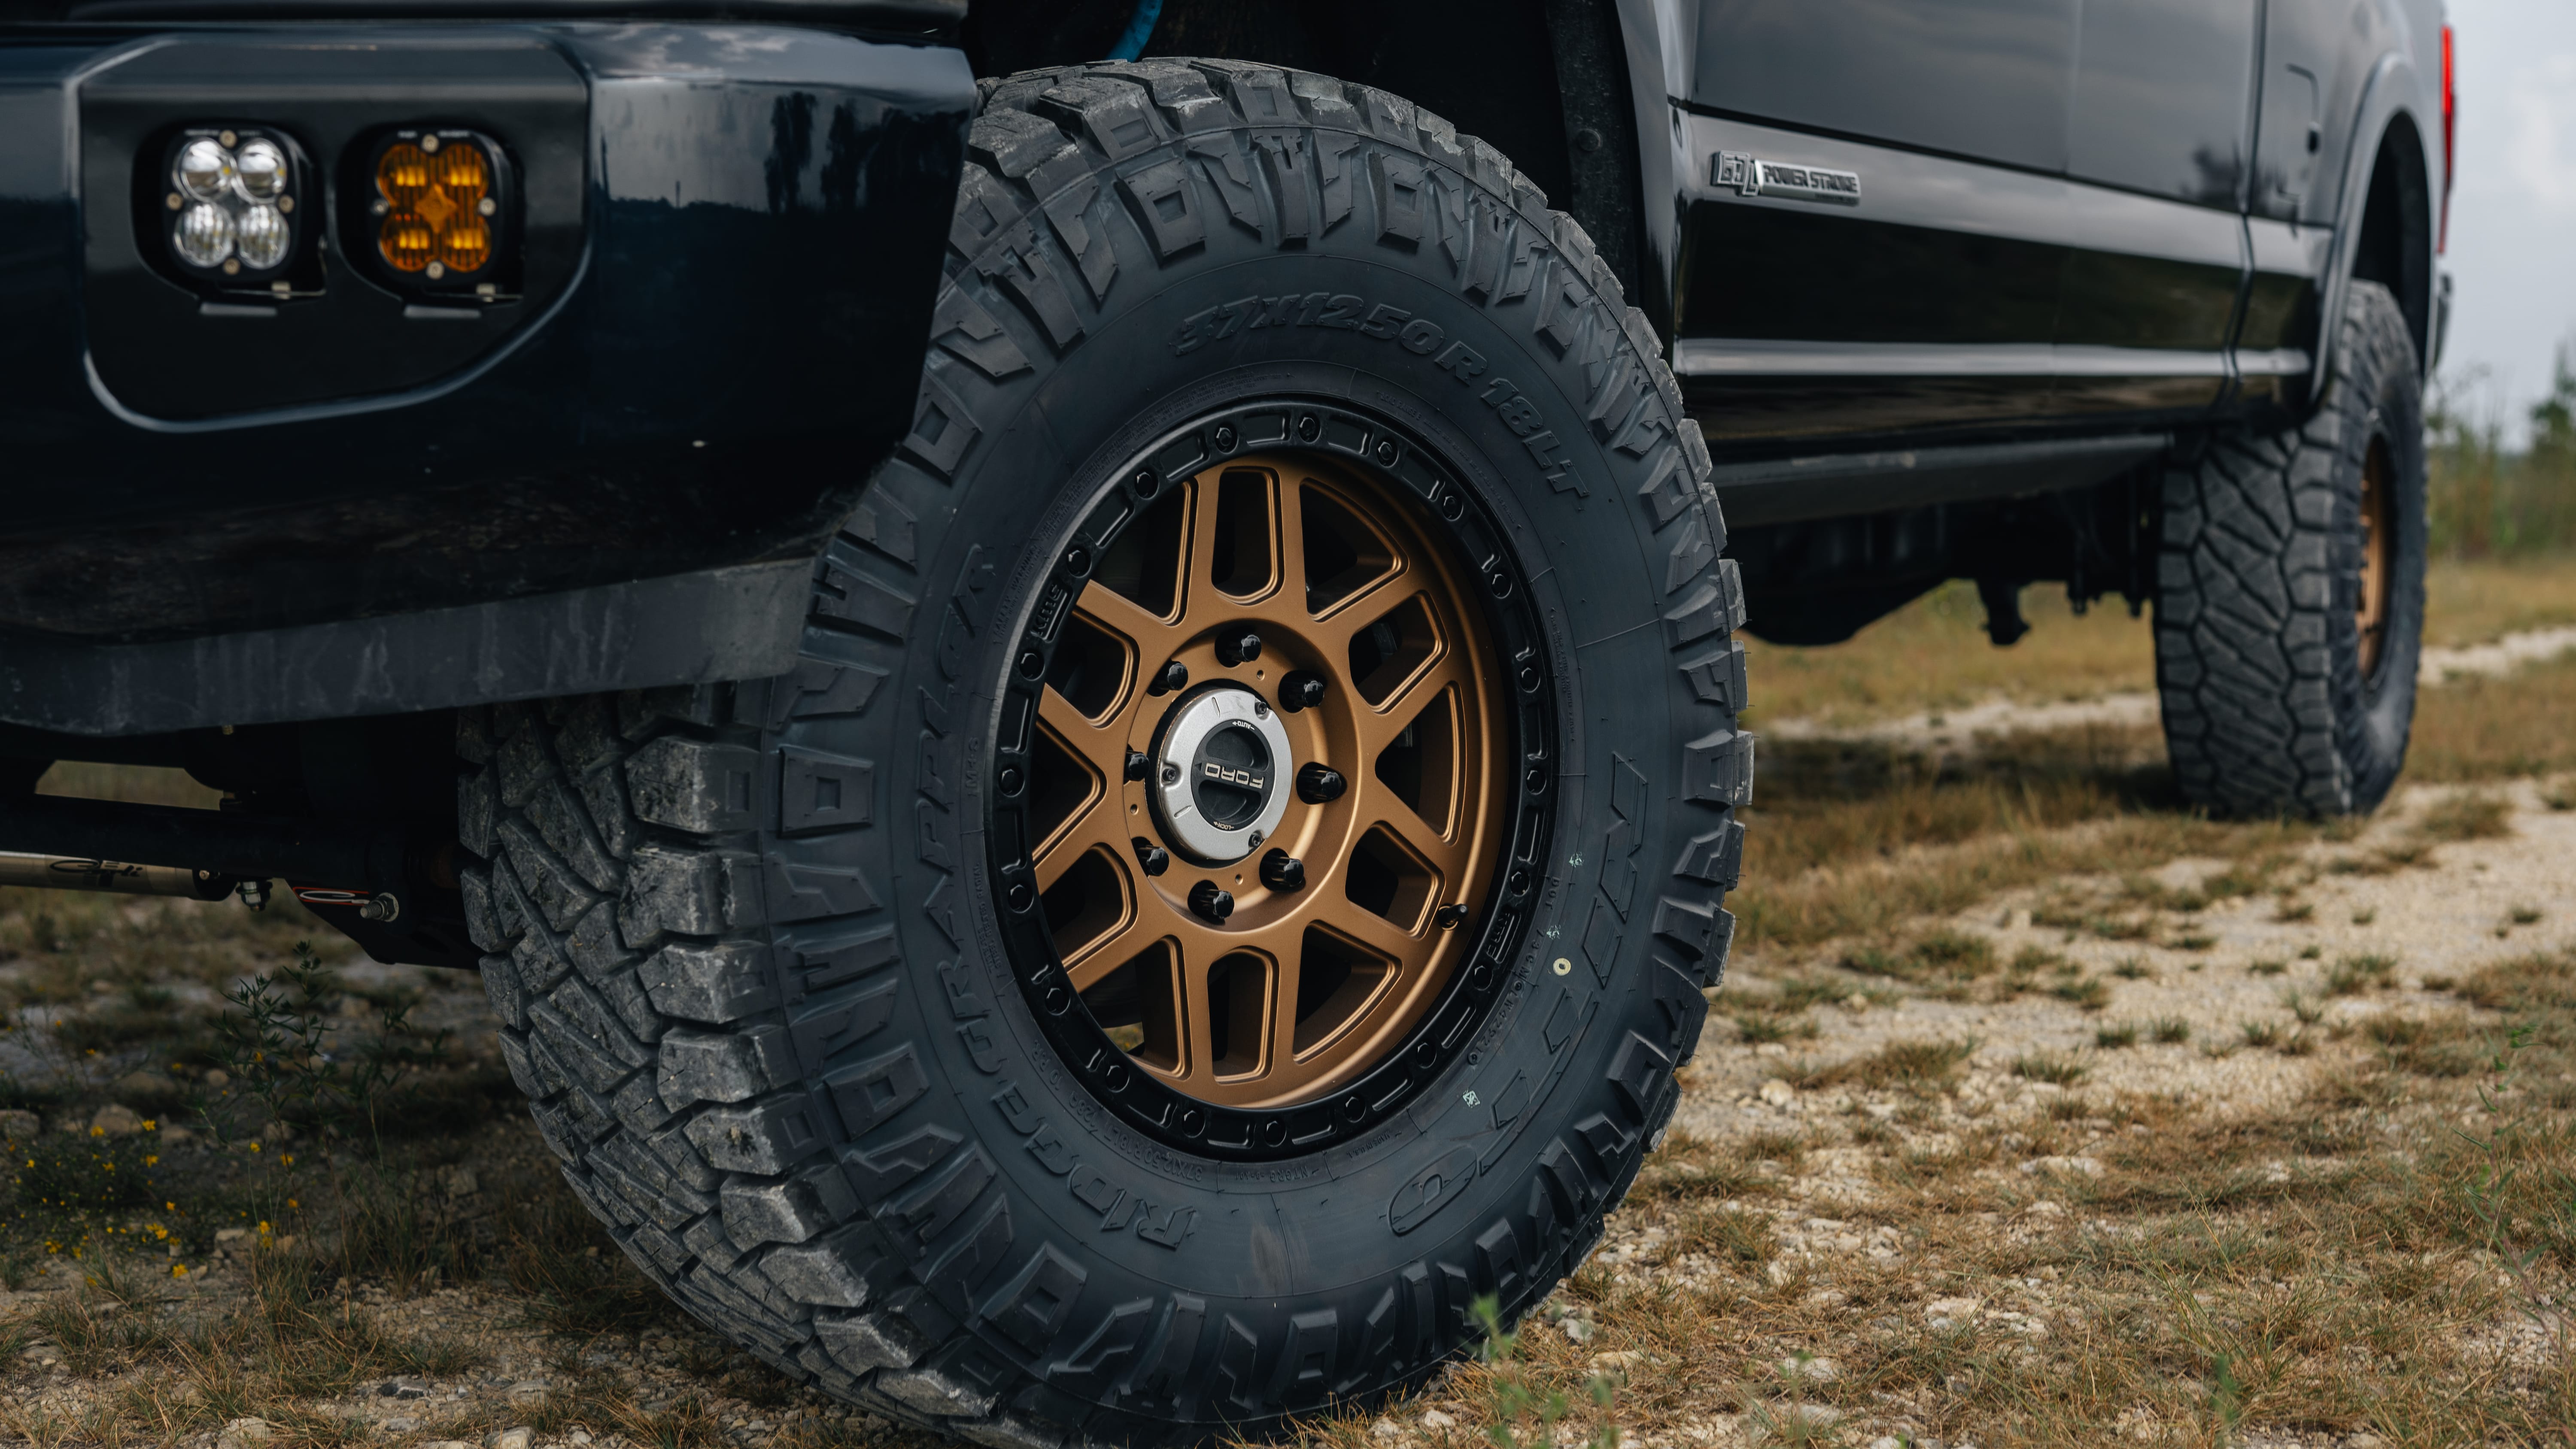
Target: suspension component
{"type": "Point", "coordinates": [82, 873]}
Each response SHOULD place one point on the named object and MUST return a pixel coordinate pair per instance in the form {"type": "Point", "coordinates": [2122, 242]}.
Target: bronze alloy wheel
{"type": "Point", "coordinates": [1270, 781]}
{"type": "Point", "coordinates": [1255, 968]}
{"type": "Point", "coordinates": [2378, 529]}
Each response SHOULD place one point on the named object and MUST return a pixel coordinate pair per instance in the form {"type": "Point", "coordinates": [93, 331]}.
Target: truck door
{"type": "Point", "coordinates": [1933, 300]}
{"type": "Point", "coordinates": [2159, 142]}
{"type": "Point", "coordinates": [2316, 57]}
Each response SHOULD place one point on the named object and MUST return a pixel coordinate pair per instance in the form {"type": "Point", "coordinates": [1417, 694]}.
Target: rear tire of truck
{"type": "Point", "coordinates": [2290, 591]}
{"type": "Point", "coordinates": [886, 1012]}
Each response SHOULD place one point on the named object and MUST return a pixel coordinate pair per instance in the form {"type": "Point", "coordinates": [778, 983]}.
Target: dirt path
{"type": "Point", "coordinates": [1942, 729]}
{"type": "Point", "coordinates": [2096, 1159]}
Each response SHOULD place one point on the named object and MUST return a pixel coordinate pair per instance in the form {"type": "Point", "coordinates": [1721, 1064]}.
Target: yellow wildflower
{"type": "Point", "coordinates": [178, 1270]}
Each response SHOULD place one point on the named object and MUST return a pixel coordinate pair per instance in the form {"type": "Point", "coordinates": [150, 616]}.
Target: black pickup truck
{"type": "Point", "coordinates": [1085, 724]}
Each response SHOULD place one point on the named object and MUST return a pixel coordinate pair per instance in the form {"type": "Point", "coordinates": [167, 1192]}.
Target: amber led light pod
{"type": "Point", "coordinates": [440, 205]}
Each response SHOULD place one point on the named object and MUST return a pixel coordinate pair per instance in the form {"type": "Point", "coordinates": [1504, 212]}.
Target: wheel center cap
{"type": "Point", "coordinates": [1221, 764]}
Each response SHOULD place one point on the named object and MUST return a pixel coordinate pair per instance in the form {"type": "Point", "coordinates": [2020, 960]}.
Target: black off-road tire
{"type": "Point", "coordinates": [2267, 709]}
{"type": "Point", "coordinates": [745, 940]}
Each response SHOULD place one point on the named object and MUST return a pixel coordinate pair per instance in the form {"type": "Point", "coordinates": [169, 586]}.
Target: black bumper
{"type": "Point", "coordinates": [354, 503]}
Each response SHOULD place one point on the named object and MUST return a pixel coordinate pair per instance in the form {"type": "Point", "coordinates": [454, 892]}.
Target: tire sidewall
{"type": "Point", "coordinates": [2381, 708]}
{"type": "Point", "coordinates": [1274, 1249]}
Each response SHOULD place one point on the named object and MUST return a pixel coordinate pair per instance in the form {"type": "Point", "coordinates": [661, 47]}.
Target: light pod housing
{"type": "Point", "coordinates": [440, 213]}
{"type": "Point", "coordinates": [231, 209]}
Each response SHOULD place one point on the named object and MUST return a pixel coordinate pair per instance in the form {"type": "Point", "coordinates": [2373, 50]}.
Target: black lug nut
{"type": "Point", "coordinates": [1317, 784]}
{"type": "Point", "coordinates": [1235, 646]}
{"type": "Point", "coordinates": [1210, 903]}
{"type": "Point", "coordinates": [1175, 675]}
{"type": "Point", "coordinates": [1302, 689]}
{"type": "Point", "coordinates": [1138, 767]}
{"type": "Point", "coordinates": [1451, 917]}
{"type": "Point", "coordinates": [1283, 872]}
{"type": "Point", "coordinates": [1152, 858]}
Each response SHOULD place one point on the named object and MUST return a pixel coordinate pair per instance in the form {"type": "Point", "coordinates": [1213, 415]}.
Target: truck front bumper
{"type": "Point", "coordinates": [614, 473]}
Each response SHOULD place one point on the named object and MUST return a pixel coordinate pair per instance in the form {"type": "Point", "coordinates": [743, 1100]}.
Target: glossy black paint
{"type": "Point", "coordinates": [1757, 412]}
{"type": "Point", "coordinates": [739, 341]}
{"type": "Point", "coordinates": [1979, 78]}
{"type": "Point", "coordinates": [2316, 56]}
{"type": "Point", "coordinates": [1813, 274]}
{"type": "Point", "coordinates": [2163, 93]}
{"type": "Point", "coordinates": [358, 335]}
{"type": "Point", "coordinates": [2110, 299]}
{"type": "Point", "coordinates": [2093, 163]}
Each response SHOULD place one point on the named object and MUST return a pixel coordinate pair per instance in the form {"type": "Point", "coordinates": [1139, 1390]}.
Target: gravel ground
{"type": "Point", "coordinates": [1942, 729]}
{"type": "Point", "coordinates": [2468, 903]}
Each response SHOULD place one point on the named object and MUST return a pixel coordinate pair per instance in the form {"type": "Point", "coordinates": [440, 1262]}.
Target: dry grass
{"type": "Point", "coordinates": [1853, 840]}
{"type": "Point", "coordinates": [1932, 654]}
{"type": "Point", "coordinates": [2386, 1257]}
{"type": "Point", "coordinates": [2487, 729]}
{"type": "Point", "coordinates": [2468, 603]}
{"type": "Point", "coordinates": [1906, 1066]}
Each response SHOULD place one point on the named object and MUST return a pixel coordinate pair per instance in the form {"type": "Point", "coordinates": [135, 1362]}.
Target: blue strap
{"type": "Point", "coordinates": [1140, 28]}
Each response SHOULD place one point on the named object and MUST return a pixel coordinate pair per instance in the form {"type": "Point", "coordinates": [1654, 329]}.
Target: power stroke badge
{"type": "Point", "coordinates": [1753, 176]}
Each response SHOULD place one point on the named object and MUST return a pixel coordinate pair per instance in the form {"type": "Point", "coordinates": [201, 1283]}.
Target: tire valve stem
{"type": "Point", "coordinates": [1319, 784]}
{"type": "Point", "coordinates": [1175, 675]}
{"type": "Point", "coordinates": [1138, 766]}
{"type": "Point", "coordinates": [1237, 646]}
{"type": "Point", "coordinates": [1283, 872]}
{"type": "Point", "coordinates": [1300, 690]}
{"type": "Point", "coordinates": [1451, 917]}
{"type": "Point", "coordinates": [1211, 903]}
{"type": "Point", "coordinates": [1151, 858]}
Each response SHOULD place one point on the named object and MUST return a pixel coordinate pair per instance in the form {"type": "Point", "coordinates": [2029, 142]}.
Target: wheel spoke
{"type": "Point", "coordinates": [1445, 856]}
{"type": "Point", "coordinates": [1289, 502]}
{"type": "Point", "coordinates": [1196, 1022]}
{"type": "Point", "coordinates": [1139, 932]}
{"type": "Point", "coordinates": [1079, 734]}
{"type": "Point", "coordinates": [1336, 629]}
{"type": "Point", "coordinates": [1098, 822]}
{"type": "Point", "coordinates": [1380, 727]}
{"type": "Point", "coordinates": [1377, 933]}
{"type": "Point", "coordinates": [1205, 604]}
{"type": "Point", "coordinates": [1117, 614]}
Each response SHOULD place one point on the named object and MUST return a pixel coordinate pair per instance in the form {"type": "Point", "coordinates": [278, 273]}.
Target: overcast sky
{"type": "Point", "coordinates": [2513, 208]}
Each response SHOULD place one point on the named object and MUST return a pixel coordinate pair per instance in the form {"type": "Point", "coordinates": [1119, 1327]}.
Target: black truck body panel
{"type": "Point", "coordinates": [2084, 233]}
{"type": "Point", "coordinates": [615, 479]}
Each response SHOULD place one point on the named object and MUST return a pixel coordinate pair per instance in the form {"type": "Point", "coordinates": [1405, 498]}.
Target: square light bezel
{"type": "Point", "coordinates": [160, 200]}
{"type": "Point", "coordinates": [364, 210]}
